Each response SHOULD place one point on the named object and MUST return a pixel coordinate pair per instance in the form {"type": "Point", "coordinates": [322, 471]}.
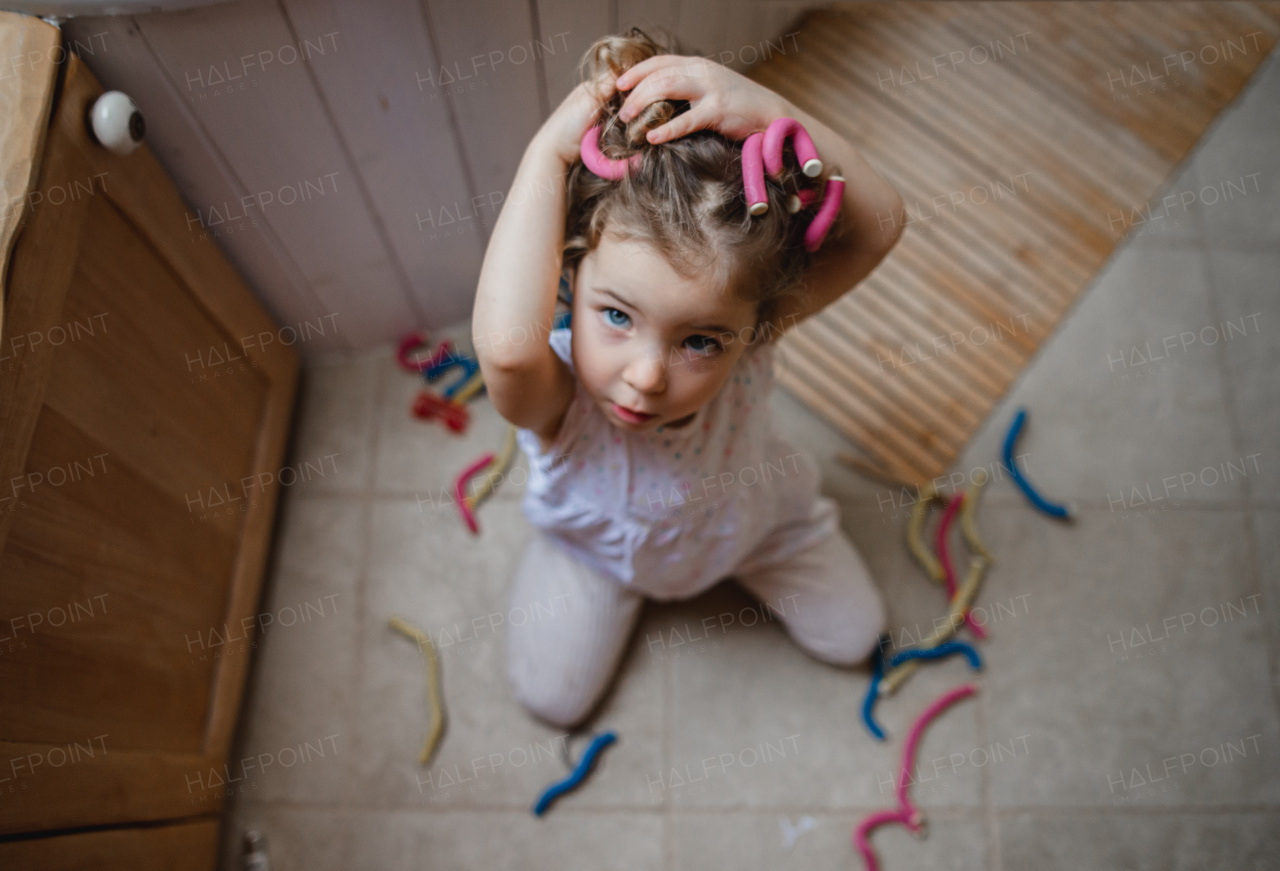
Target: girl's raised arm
{"type": "Point", "coordinates": [874, 218]}
{"type": "Point", "coordinates": [516, 295]}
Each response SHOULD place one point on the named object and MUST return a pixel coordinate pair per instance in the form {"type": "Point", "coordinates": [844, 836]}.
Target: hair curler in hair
{"type": "Point", "coordinates": [832, 197]}
{"type": "Point", "coordinates": [605, 167]}
{"type": "Point", "coordinates": [753, 174]}
{"type": "Point", "coordinates": [761, 151]}
{"type": "Point", "coordinates": [801, 199]}
{"type": "Point", "coordinates": [781, 129]}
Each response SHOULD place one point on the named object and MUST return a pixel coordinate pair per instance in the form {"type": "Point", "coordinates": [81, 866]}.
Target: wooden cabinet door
{"type": "Point", "coordinates": [138, 484]}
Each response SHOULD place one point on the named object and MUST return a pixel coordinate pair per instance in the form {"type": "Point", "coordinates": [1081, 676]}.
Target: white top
{"type": "Point", "coordinates": [671, 512]}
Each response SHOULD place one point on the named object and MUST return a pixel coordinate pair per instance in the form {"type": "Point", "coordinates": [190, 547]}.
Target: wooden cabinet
{"type": "Point", "coordinates": [137, 496]}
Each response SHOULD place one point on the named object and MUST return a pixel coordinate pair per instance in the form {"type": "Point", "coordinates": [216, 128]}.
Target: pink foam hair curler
{"type": "Point", "coordinates": [777, 133]}
{"type": "Point", "coordinates": [460, 490]}
{"type": "Point", "coordinates": [753, 174]}
{"type": "Point", "coordinates": [409, 344]}
{"type": "Point", "coordinates": [605, 167]}
{"type": "Point", "coordinates": [906, 813]}
{"type": "Point", "coordinates": [763, 151]}
{"type": "Point", "coordinates": [874, 821]}
{"type": "Point", "coordinates": [803, 198]}
{"type": "Point", "coordinates": [832, 197]}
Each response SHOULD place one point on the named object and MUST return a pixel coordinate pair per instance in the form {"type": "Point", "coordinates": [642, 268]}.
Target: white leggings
{"type": "Point", "coordinates": [560, 665]}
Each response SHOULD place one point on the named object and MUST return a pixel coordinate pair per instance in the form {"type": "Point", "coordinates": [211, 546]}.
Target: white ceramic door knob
{"type": "Point", "coordinates": [116, 122]}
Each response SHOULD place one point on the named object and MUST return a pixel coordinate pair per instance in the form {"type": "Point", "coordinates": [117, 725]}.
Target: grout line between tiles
{"type": "Point", "coordinates": [944, 812]}
{"type": "Point", "coordinates": [1046, 811]}
{"type": "Point", "coordinates": [1090, 507]}
{"type": "Point", "coordinates": [950, 813]}
{"type": "Point", "coordinates": [668, 810]}
{"type": "Point", "coordinates": [991, 827]}
{"type": "Point", "coordinates": [364, 567]}
{"type": "Point", "coordinates": [1252, 557]}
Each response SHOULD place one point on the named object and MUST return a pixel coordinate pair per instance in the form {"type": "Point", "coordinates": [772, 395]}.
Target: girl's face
{"type": "Point", "coordinates": [650, 347]}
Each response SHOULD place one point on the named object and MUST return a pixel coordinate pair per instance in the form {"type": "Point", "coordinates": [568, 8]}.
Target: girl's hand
{"type": "Point", "coordinates": [719, 98]}
{"type": "Point", "coordinates": [575, 115]}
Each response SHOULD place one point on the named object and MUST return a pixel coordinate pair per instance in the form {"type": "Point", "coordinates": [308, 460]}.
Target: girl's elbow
{"type": "Point", "coordinates": [888, 237]}
{"type": "Point", "coordinates": [899, 212]}
{"type": "Point", "coordinates": [892, 241]}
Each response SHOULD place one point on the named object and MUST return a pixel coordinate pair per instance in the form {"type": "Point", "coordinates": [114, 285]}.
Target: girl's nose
{"type": "Point", "coordinates": [646, 374]}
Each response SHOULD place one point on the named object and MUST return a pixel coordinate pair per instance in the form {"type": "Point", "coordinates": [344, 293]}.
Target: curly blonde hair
{"type": "Point", "coordinates": [687, 200]}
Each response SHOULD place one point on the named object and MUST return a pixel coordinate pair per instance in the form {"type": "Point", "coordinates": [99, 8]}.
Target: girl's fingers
{"type": "Point", "coordinates": [634, 74]}
{"type": "Point", "coordinates": [681, 125]}
{"type": "Point", "coordinates": [672, 81]}
{"type": "Point", "coordinates": [646, 94]}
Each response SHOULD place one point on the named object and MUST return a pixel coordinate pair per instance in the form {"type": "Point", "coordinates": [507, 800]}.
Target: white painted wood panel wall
{"type": "Point", "coordinates": [350, 157]}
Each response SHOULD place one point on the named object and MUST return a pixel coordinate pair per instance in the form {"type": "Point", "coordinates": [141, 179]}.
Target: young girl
{"type": "Point", "coordinates": [654, 469]}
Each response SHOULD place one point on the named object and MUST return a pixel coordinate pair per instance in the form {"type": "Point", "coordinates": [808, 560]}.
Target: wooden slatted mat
{"type": "Point", "coordinates": [1026, 140]}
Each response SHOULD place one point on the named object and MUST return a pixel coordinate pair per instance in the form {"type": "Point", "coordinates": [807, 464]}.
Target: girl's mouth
{"type": "Point", "coordinates": [631, 416]}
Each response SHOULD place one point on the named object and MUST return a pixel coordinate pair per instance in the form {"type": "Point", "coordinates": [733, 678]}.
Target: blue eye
{"type": "Point", "coordinates": [616, 318]}
{"type": "Point", "coordinates": [703, 345]}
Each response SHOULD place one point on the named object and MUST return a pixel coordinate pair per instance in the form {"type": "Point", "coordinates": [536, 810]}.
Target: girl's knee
{"type": "Point", "coordinates": [863, 645]}
{"type": "Point", "coordinates": [875, 621]}
{"type": "Point", "coordinates": [545, 681]}
{"type": "Point", "coordinates": [850, 650]}
{"type": "Point", "coordinates": [850, 639]}
{"type": "Point", "coordinates": [549, 701]}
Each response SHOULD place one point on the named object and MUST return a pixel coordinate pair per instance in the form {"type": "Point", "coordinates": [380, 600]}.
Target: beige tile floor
{"type": "Point", "coordinates": [1073, 710]}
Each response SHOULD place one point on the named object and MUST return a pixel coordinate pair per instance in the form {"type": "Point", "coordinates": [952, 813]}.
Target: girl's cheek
{"type": "Point", "coordinates": [700, 382]}
{"type": "Point", "coordinates": [709, 365]}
